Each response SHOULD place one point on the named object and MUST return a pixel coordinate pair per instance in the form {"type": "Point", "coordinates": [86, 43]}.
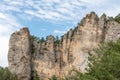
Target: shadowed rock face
{"type": "Point", "coordinates": [50, 57]}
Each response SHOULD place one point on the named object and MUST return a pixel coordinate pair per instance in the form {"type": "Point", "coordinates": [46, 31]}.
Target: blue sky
{"type": "Point", "coordinates": [45, 17]}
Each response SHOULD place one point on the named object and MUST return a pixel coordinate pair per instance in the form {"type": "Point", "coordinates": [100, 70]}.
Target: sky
{"type": "Point", "coordinates": [46, 17]}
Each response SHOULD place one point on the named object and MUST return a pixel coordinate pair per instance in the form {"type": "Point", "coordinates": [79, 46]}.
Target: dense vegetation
{"type": "Point", "coordinates": [6, 75]}
{"type": "Point", "coordinates": [117, 18]}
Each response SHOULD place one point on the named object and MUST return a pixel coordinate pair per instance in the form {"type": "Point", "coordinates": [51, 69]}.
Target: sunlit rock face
{"type": "Point", "coordinates": [19, 55]}
{"type": "Point", "coordinates": [29, 58]}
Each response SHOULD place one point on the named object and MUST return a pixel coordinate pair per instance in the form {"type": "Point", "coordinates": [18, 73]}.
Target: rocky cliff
{"type": "Point", "coordinates": [29, 57]}
{"type": "Point", "coordinates": [19, 55]}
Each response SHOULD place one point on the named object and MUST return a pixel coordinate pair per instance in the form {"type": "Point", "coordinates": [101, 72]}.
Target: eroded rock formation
{"type": "Point", "coordinates": [19, 55]}
{"type": "Point", "coordinates": [28, 58]}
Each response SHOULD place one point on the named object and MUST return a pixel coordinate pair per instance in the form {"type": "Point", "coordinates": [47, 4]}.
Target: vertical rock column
{"type": "Point", "coordinates": [19, 55]}
{"type": "Point", "coordinates": [50, 48]}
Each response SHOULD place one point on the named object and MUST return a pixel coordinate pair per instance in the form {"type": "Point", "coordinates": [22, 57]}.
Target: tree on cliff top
{"type": "Point", "coordinates": [117, 18]}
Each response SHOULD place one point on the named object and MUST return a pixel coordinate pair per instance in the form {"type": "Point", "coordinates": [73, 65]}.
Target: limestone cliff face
{"type": "Point", "coordinates": [19, 55]}
{"type": "Point", "coordinates": [50, 57]}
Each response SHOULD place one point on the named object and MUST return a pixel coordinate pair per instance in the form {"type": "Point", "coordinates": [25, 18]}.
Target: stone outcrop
{"type": "Point", "coordinates": [29, 57]}
{"type": "Point", "coordinates": [19, 55]}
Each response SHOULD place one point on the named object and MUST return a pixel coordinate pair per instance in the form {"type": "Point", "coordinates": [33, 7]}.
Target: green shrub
{"type": "Point", "coordinates": [5, 74]}
{"type": "Point", "coordinates": [117, 18]}
{"type": "Point", "coordinates": [53, 78]}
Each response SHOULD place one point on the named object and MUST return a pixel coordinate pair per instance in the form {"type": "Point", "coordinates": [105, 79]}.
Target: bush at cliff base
{"type": "Point", "coordinates": [6, 75]}
{"type": "Point", "coordinates": [105, 65]}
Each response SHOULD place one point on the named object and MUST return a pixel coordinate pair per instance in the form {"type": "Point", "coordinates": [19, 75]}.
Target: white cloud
{"type": "Point", "coordinates": [8, 24]}
{"type": "Point", "coordinates": [59, 32]}
{"type": "Point", "coordinates": [94, 2]}
{"type": "Point", "coordinates": [56, 10]}
{"type": "Point", "coordinates": [3, 50]}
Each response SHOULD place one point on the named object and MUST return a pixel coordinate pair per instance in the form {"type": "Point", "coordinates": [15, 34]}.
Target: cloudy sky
{"type": "Point", "coordinates": [45, 17]}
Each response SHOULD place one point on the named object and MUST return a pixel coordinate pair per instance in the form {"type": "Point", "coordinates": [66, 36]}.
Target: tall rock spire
{"type": "Point", "coordinates": [19, 54]}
